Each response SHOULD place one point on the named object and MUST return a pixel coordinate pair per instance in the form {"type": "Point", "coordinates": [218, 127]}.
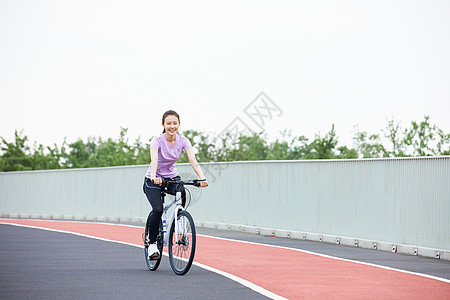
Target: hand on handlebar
{"type": "Point", "coordinates": [202, 183]}
{"type": "Point", "coordinates": [156, 180]}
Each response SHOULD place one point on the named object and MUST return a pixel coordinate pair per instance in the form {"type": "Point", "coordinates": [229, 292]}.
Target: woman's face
{"type": "Point", "coordinates": [171, 125]}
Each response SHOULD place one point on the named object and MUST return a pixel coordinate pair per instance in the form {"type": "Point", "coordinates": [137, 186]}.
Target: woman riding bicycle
{"type": "Point", "coordinates": [165, 150]}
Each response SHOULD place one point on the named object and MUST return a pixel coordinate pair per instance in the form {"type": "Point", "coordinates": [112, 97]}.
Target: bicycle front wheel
{"type": "Point", "coordinates": [182, 243]}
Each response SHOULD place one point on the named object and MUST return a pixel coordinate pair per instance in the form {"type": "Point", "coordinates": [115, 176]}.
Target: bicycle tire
{"type": "Point", "coordinates": [181, 252]}
{"type": "Point", "coordinates": [152, 265]}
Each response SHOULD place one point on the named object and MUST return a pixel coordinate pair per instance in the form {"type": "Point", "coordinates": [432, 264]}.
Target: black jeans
{"type": "Point", "coordinates": [154, 197]}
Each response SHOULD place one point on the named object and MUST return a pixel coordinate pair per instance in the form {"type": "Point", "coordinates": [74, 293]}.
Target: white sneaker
{"type": "Point", "coordinates": [153, 252]}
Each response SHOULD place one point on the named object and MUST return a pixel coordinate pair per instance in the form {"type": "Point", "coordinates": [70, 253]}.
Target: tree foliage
{"type": "Point", "coordinates": [419, 139]}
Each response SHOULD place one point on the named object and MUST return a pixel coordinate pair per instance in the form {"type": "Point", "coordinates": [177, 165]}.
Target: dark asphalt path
{"type": "Point", "coordinates": [40, 264]}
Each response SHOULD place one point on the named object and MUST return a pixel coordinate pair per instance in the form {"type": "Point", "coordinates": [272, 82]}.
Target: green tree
{"type": "Point", "coordinates": [225, 146]}
{"type": "Point", "coordinates": [393, 133]}
{"type": "Point", "coordinates": [443, 144]}
{"type": "Point", "coordinates": [204, 146]}
{"type": "Point", "coordinates": [323, 147]}
{"type": "Point", "coordinates": [421, 137]}
{"type": "Point", "coordinates": [16, 155]}
{"type": "Point", "coordinates": [142, 152]}
{"type": "Point", "coordinates": [345, 153]}
{"type": "Point", "coordinates": [299, 148]}
{"type": "Point", "coordinates": [284, 148]}
{"type": "Point", "coordinates": [44, 161]}
{"type": "Point", "coordinates": [243, 147]}
{"type": "Point", "coordinates": [279, 150]}
{"type": "Point", "coordinates": [79, 153]}
{"type": "Point", "coordinates": [369, 146]}
{"type": "Point", "coordinates": [114, 153]}
{"type": "Point", "coordinates": [253, 147]}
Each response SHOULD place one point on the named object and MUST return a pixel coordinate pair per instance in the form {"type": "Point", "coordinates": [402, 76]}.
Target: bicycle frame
{"type": "Point", "coordinates": [178, 207]}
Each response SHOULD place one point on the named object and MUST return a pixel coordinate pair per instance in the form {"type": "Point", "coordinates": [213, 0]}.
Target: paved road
{"type": "Point", "coordinates": [38, 264]}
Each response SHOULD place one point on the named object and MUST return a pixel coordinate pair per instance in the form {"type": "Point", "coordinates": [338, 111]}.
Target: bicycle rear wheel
{"type": "Point", "coordinates": [152, 264]}
{"type": "Point", "coordinates": [182, 245]}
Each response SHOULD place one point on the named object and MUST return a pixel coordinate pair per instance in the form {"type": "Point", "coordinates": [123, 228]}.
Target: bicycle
{"type": "Point", "coordinates": [181, 237]}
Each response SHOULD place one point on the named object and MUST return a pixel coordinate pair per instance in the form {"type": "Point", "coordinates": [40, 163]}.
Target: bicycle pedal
{"type": "Point", "coordinates": [154, 257]}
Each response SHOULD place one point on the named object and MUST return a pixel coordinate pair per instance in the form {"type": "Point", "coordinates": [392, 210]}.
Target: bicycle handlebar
{"type": "Point", "coordinates": [194, 182]}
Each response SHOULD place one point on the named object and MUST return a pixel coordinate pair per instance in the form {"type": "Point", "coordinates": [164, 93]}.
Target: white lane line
{"type": "Point", "coordinates": [239, 280]}
{"type": "Point", "coordinates": [332, 257]}
{"type": "Point", "coordinates": [71, 232]}
{"type": "Point", "coordinates": [242, 281]}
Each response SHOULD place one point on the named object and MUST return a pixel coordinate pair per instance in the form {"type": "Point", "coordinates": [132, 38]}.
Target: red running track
{"type": "Point", "coordinates": [289, 273]}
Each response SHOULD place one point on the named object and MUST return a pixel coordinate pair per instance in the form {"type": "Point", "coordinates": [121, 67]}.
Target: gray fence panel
{"type": "Point", "coordinates": [398, 201]}
{"type": "Point", "coordinates": [80, 193]}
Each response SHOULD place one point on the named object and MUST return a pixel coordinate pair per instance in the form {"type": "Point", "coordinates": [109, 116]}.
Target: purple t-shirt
{"type": "Point", "coordinates": [168, 155]}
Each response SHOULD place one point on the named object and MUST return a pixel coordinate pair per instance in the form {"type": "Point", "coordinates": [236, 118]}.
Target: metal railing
{"type": "Point", "coordinates": [400, 205]}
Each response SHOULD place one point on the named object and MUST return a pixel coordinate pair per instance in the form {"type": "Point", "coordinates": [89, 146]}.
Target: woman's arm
{"type": "Point", "coordinates": [154, 165]}
{"type": "Point", "coordinates": [196, 166]}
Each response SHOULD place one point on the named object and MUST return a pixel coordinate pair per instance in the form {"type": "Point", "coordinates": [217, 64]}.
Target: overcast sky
{"type": "Point", "coordinates": [85, 68]}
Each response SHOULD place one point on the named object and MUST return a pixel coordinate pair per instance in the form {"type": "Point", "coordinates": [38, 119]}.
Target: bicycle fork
{"type": "Point", "coordinates": [179, 226]}
{"type": "Point", "coordinates": [166, 227]}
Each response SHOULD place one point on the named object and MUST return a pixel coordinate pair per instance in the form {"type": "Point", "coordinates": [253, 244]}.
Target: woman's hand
{"type": "Point", "coordinates": [203, 183]}
{"type": "Point", "coordinates": [156, 180]}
